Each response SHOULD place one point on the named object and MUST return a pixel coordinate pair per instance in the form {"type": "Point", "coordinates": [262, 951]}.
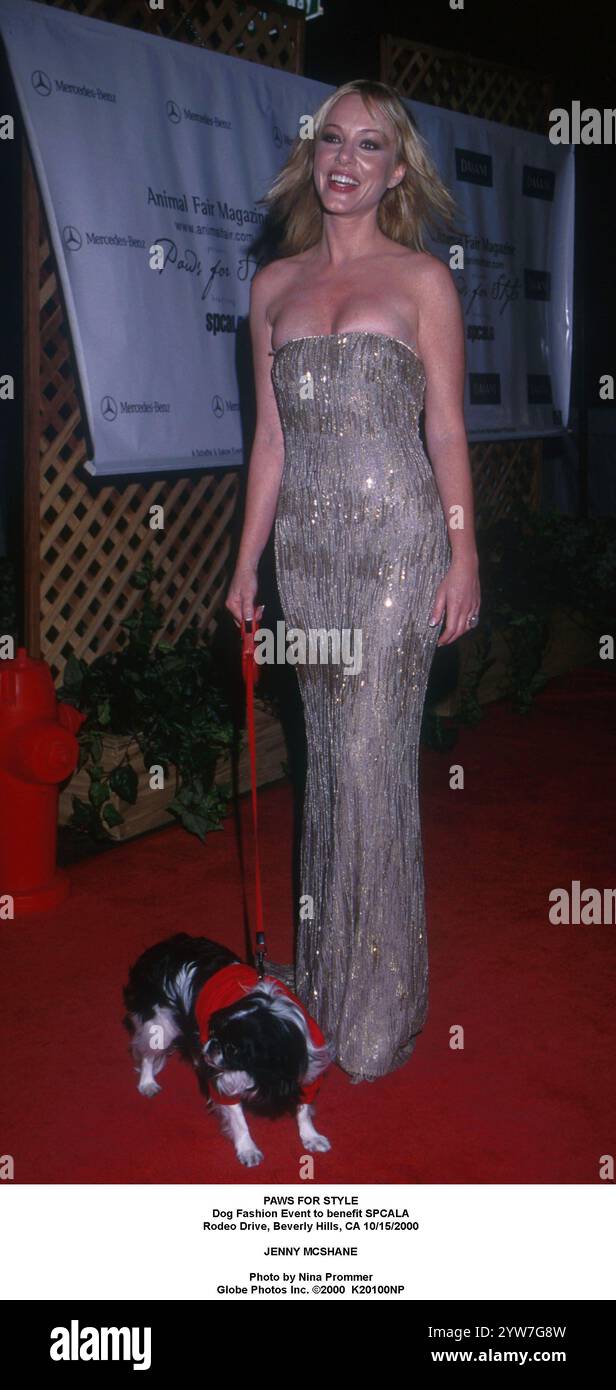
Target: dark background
{"type": "Point", "coordinates": [576, 47]}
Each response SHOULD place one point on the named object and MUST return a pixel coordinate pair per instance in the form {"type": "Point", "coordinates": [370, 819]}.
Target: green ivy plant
{"type": "Point", "coordinates": [167, 698]}
{"type": "Point", "coordinates": [530, 564]}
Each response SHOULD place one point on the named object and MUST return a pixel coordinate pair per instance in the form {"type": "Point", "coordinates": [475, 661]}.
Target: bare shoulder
{"type": "Point", "coordinates": [264, 281]}
{"type": "Point", "coordinates": [429, 272]}
{"type": "Point", "coordinates": [436, 296]}
{"type": "Point", "coordinates": [275, 272]}
{"type": "Point", "coordinates": [270, 280]}
{"type": "Point", "coordinates": [423, 277]}
{"type": "Point", "coordinates": [440, 330]}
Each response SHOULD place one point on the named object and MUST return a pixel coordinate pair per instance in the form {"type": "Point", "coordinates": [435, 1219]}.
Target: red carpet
{"type": "Point", "coordinates": [529, 1099]}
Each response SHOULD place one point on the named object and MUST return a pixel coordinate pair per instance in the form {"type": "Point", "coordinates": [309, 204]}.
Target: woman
{"type": "Point", "coordinates": [355, 329]}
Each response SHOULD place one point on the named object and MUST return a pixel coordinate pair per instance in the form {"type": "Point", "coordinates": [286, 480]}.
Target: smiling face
{"type": "Point", "coordinates": [355, 157]}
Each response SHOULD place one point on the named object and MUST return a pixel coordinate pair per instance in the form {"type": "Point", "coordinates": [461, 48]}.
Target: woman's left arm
{"type": "Point", "coordinates": [440, 342]}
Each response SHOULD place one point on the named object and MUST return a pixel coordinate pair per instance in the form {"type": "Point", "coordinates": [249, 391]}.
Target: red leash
{"type": "Point", "coordinates": [251, 676]}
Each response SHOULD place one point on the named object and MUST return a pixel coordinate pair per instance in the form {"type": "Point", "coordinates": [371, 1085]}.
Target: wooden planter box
{"type": "Point", "coordinates": [570, 644]}
{"type": "Point", "coordinates": [150, 809]}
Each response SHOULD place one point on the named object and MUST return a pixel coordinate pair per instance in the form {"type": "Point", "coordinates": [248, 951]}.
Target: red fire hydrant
{"type": "Point", "coordinates": [38, 749]}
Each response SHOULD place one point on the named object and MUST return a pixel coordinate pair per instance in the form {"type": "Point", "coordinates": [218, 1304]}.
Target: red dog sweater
{"type": "Point", "coordinates": [227, 987]}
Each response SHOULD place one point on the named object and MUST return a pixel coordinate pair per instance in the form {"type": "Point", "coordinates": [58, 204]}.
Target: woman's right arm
{"type": "Point", "coordinates": [266, 457]}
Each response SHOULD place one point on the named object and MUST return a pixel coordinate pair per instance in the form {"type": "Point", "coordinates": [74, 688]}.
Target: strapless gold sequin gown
{"type": "Point", "coordinates": [361, 545]}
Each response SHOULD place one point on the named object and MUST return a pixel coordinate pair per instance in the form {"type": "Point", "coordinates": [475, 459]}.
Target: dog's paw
{"type": "Point", "coordinates": [250, 1156]}
{"type": "Point", "coordinates": [316, 1144]}
{"type": "Point", "coordinates": [148, 1088]}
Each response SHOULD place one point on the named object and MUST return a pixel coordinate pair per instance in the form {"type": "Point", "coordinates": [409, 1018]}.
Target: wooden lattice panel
{"type": "Point", "coordinates": [466, 84]}
{"type": "Point", "coordinates": [504, 472]}
{"type": "Point", "coordinates": [94, 536]}
{"type": "Point", "coordinates": [269, 34]}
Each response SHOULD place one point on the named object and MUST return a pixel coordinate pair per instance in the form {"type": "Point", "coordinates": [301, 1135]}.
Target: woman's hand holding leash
{"type": "Point", "coordinates": [241, 596]}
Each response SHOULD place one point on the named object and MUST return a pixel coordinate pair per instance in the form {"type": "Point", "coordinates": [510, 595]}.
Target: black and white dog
{"type": "Point", "coordinates": [251, 1041]}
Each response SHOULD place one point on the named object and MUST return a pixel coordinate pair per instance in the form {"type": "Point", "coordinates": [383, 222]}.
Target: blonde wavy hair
{"type": "Point", "coordinates": [420, 202]}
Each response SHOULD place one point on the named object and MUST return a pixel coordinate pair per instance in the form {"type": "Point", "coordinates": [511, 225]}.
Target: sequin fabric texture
{"type": "Point", "coordinates": [361, 544]}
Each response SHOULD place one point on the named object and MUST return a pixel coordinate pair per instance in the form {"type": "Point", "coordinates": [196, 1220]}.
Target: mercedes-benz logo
{"type": "Point", "coordinates": [218, 406]}
{"type": "Point", "coordinates": [173, 112]}
{"type": "Point", "coordinates": [41, 82]}
{"type": "Point", "coordinates": [109, 408]}
{"type": "Point", "coordinates": [71, 238]}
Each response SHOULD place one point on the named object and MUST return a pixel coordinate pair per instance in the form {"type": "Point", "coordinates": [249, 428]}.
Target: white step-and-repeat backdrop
{"type": "Point", "coordinates": [138, 140]}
